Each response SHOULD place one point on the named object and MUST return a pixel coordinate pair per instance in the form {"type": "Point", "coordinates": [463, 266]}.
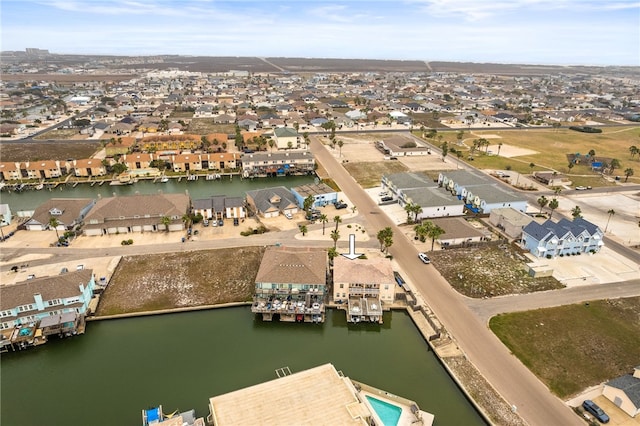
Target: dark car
{"type": "Point", "coordinates": [387, 198]}
{"type": "Point", "coordinates": [236, 221]}
{"type": "Point", "coordinates": [398, 278]}
{"type": "Point", "coordinates": [340, 205]}
{"type": "Point", "coordinates": [597, 412]}
{"type": "Point", "coordinates": [220, 222]}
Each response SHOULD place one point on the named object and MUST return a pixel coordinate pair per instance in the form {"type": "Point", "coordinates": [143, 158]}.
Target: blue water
{"type": "Point", "coordinates": [388, 413]}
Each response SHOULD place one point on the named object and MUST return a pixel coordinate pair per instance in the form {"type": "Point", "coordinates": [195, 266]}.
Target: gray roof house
{"type": "Point", "coordinates": [219, 207]}
{"type": "Point", "coordinates": [624, 392]}
{"type": "Point", "coordinates": [68, 211]}
{"type": "Point", "coordinates": [566, 237]}
{"type": "Point", "coordinates": [270, 202]}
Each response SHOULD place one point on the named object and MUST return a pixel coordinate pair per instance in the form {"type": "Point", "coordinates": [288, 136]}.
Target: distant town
{"type": "Point", "coordinates": [488, 179]}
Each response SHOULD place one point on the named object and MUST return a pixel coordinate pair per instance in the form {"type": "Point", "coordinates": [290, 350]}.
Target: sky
{"type": "Point", "coordinates": [553, 32]}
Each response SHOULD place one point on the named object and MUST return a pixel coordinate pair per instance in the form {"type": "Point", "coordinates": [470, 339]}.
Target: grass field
{"type": "Point", "coordinates": [574, 347]}
{"type": "Point", "coordinates": [32, 151]}
{"type": "Point", "coordinates": [553, 146]}
{"type": "Point", "coordinates": [206, 126]}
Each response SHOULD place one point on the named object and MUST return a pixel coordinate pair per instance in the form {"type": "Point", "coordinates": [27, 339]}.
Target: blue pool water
{"type": "Point", "coordinates": [388, 413]}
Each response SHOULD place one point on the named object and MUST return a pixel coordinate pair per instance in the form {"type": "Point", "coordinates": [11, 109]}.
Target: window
{"type": "Point", "coordinates": [341, 285]}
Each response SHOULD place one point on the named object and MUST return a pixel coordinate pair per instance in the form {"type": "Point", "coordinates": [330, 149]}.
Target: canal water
{"type": "Point", "coordinates": [119, 367]}
{"type": "Point", "coordinates": [202, 188]}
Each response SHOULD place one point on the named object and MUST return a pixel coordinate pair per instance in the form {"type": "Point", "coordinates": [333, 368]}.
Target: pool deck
{"type": "Point", "coordinates": [406, 417]}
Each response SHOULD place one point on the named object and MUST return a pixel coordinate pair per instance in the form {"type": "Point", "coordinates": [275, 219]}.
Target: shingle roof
{"type": "Point", "coordinates": [55, 287]}
{"type": "Point", "coordinates": [364, 271]}
{"type": "Point", "coordinates": [293, 265]}
{"type": "Point", "coordinates": [155, 205]}
{"type": "Point", "coordinates": [263, 198]}
{"type": "Point", "coordinates": [70, 208]}
{"type": "Point", "coordinates": [629, 385]}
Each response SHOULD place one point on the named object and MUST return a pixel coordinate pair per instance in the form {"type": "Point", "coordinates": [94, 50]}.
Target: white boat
{"type": "Point", "coordinates": [40, 186]}
{"type": "Point", "coordinates": [164, 179]}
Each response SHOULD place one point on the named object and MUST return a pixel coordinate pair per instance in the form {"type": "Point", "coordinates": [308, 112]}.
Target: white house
{"type": "Point", "coordinates": [624, 392]}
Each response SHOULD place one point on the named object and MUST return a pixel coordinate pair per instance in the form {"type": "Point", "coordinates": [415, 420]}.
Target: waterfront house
{"type": "Point", "coordinates": [322, 194]}
{"type": "Point", "coordinates": [220, 161]}
{"type": "Point", "coordinates": [137, 161]}
{"type": "Point", "coordinates": [186, 163]}
{"type": "Point", "coordinates": [277, 163]}
{"type": "Point", "coordinates": [566, 237]}
{"type": "Point", "coordinates": [220, 207]}
{"type": "Point", "coordinates": [69, 213]}
{"type": "Point", "coordinates": [88, 167]}
{"type": "Point", "coordinates": [33, 309]}
{"type": "Point", "coordinates": [45, 169]}
{"type": "Point", "coordinates": [137, 213]}
{"type": "Point", "coordinates": [363, 287]}
{"type": "Point", "coordinates": [10, 170]}
{"type": "Point", "coordinates": [271, 202]}
{"type": "Point", "coordinates": [291, 284]}
{"type": "Point", "coordinates": [624, 392]}
{"type": "Point", "coordinates": [318, 396]}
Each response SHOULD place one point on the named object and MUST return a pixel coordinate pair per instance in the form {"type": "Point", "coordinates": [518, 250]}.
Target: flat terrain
{"type": "Point", "coordinates": [576, 346]}
{"type": "Point", "coordinates": [489, 271]}
{"type": "Point", "coordinates": [176, 280]}
{"type": "Point", "coordinates": [35, 151]}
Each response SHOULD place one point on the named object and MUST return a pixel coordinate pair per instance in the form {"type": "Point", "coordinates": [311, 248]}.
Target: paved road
{"type": "Point", "coordinates": [508, 375]}
{"type": "Point", "coordinates": [486, 308]}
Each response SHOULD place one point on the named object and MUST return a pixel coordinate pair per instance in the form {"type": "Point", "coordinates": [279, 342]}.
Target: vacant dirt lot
{"type": "Point", "coordinates": [35, 151]}
{"type": "Point", "coordinates": [488, 271]}
{"type": "Point", "coordinates": [165, 281]}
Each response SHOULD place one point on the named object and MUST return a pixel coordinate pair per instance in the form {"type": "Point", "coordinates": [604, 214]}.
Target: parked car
{"type": "Point", "coordinates": [387, 198]}
{"type": "Point", "coordinates": [597, 412]}
{"type": "Point", "coordinates": [79, 267]}
{"type": "Point", "coordinates": [288, 215]}
{"type": "Point", "coordinates": [236, 221]}
{"type": "Point", "coordinates": [220, 222]}
{"type": "Point", "coordinates": [398, 278]}
{"type": "Point", "coordinates": [340, 205]}
{"type": "Point", "coordinates": [425, 259]}
{"type": "Point", "coordinates": [205, 222]}
{"type": "Point", "coordinates": [582, 188]}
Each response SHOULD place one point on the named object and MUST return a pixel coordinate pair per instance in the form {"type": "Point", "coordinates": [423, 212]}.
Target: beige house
{"type": "Point", "coordinates": [291, 285]}
{"type": "Point", "coordinates": [137, 213]}
{"type": "Point", "coordinates": [624, 392]}
{"type": "Point", "coordinates": [137, 161]}
{"type": "Point", "coordinates": [10, 170]}
{"type": "Point", "coordinates": [186, 163]}
{"type": "Point", "coordinates": [43, 169]}
{"type": "Point", "coordinates": [286, 138]}
{"type": "Point", "coordinates": [367, 286]}
{"type": "Point", "coordinates": [89, 167]}
{"type": "Point", "coordinates": [220, 161]}
{"type": "Point", "coordinates": [510, 221]}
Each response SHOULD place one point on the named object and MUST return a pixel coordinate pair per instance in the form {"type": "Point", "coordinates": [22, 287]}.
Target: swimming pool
{"type": "Point", "coordinates": [388, 413]}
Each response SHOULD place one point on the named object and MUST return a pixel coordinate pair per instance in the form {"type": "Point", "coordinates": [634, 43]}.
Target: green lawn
{"type": "Point", "coordinates": [553, 146]}
{"type": "Point", "coordinates": [576, 346]}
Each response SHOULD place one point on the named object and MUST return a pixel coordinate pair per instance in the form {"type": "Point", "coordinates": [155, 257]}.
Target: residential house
{"type": "Point", "coordinates": [46, 169]}
{"type": "Point", "coordinates": [186, 163]}
{"type": "Point", "coordinates": [278, 163]}
{"type": "Point", "coordinates": [624, 392]}
{"type": "Point", "coordinates": [552, 178]}
{"type": "Point", "coordinates": [137, 161]}
{"type": "Point", "coordinates": [510, 221]}
{"type": "Point", "coordinates": [170, 142]}
{"type": "Point", "coordinates": [367, 286]}
{"type": "Point", "coordinates": [33, 309]}
{"type": "Point", "coordinates": [458, 231]}
{"type": "Point", "coordinates": [223, 161]}
{"type": "Point", "coordinates": [220, 207]}
{"type": "Point", "coordinates": [400, 146]}
{"type": "Point", "coordinates": [565, 237]}
{"type": "Point", "coordinates": [271, 202]}
{"type": "Point", "coordinates": [322, 194]}
{"type": "Point", "coordinates": [69, 213]}
{"type": "Point", "coordinates": [88, 167]}
{"type": "Point", "coordinates": [291, 284]}
{"type": "Point", "coordinates": [137, 213]}
{"type": "Point", "coordinates": [286, 138]}
{"type": "Point", "coordinates": [10, 170]}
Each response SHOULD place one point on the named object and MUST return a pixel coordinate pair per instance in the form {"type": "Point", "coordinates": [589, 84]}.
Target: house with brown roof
{"type": "Point", "coordinates": [367, 286]}
{"type": "Point", "coordinates": [10, 170]}
{"type": "Point", "coordinates": [291, 284]}
{"type": "Point", "coordinates": [137, 161]}
{"type": "Point", "coordinates": [69, 212]}
{"type": "Point", "coordinates": [223, 161]}
{"type": "Point", "coordinates": [45, 169]}
{"type": "Point", "coordinates": [137, 213]}
{"type": "Point", "coordinates": [33, 309]}
{"type": "Point", "coordinates": [186, 162]}
{"type": "Point", "coordinates": [88, 167]}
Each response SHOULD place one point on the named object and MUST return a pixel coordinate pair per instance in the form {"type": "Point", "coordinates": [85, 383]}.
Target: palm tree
{"type": "Point", "coordinates": [434, 232]}
{"type": "Point", "coordinates": [531, 166]}
{"type": "Point", "coordinates": [166, 221]}
{"type": "Point", "coordinates": [337, 220]}
{"type": "Point", "coordinates": [332, 253]}
{"type": "Point", "coordinates": [407, 208]}
{"type": "Point", "coordinates": [445, 150]}
{"type": "Point", "coordinates": [340, 145]}
{"type": "Point", "coordinates": [271, 144]}
{"type": "Point", "coordinates": [385, 238]}
{"type": "Point", "coordinates": [576, 212]}
{"type": "Point", "coordinates": [634, 150]}
{"type": "Point", "coordinates": [628, 172]}
{"type": "Point", "coordinates": [542, 202]}
{"type": "Point", "coordinates": [421, 231]}
{"type": "Point", "coordinates": [553, 204]}
{"type": "Point", "coordinates": [611, 213]}
{"type": "Point", "coordinates": [499, 146]}
{"type": "Point", "coordinates": [324, 219]}
{"type": "Point", "coordinates": [614, 165]}
{"type": "Point", "coordinates": [304, 230]}
{"type": "Point", "coordinates": [54, 223]}
{"type": "Point", "coordinates": [335, 236]}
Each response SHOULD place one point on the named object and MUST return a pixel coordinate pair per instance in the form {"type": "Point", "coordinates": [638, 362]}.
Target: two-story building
{"type": "Point", "coordinates": [322, 194]}
{"type": "Point", "coordinates": [271, 202]}
{"type": "Point", "coordinates": [88, 167]}
{"type": "Point", "coordinates": [67, 212]}
{"type": "Point", "coordinates": [366, 286]}
{"type": "Point", "coordinates": [33, 309]}
{"type": "Point", "coordinates": [220, 207]}
{"type": "Point", "coordinates": [278, 163]}
{"type": "Point", "coordinates": [291, 285]}
{"type": "Point", "coordinates": [564, 238]}
{"type": "Point", "coordinates": [286, 138]}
